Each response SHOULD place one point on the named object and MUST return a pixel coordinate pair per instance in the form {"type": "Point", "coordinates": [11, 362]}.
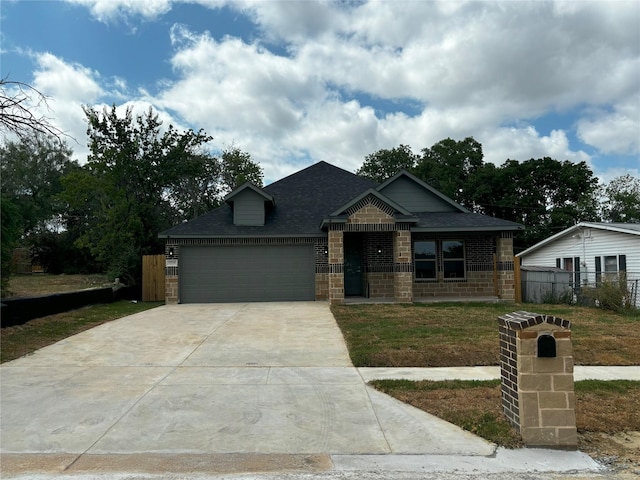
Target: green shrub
{"type": "Point", "coordinates": [612, 293]}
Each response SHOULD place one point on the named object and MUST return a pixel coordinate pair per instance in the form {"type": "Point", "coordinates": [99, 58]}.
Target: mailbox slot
{"type": "Point", "coordinates": [546, 346]}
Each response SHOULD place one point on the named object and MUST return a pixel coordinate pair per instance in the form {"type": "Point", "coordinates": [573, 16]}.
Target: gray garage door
{"type": "Point", "coordinates": [247, 273]}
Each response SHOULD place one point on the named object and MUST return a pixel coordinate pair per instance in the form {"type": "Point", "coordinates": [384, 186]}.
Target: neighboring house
{"type": "Point", "coordinates": [324, 233]}
{"type": "Point", "coordinates": [592, 251]}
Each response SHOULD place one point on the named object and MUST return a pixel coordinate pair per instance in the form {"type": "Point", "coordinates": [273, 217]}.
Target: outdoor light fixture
{"type": "Point", "coordinates": [326, 250]}
{"type": "Point", "coordinates": [379, 250]}
{"type": "Point", "coordinates": [171, 251]}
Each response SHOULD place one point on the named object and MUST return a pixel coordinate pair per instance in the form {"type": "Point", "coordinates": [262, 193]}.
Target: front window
{"type": "Point", "coordinates": [453, 259]}
{"type": "Point", "coordinates": [425, 259]}
{"type": "Point", "coordinates": [611, 264]}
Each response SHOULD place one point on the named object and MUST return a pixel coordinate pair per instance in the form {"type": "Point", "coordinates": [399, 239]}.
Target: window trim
{"type": "Point", "coordinates": [439, 260]}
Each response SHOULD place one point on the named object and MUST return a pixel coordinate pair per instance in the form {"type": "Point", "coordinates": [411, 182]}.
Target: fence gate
{"type": "Point", "coordinates": [153, 278]}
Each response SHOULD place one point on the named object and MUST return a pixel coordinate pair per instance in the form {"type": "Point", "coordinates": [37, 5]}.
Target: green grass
{"type": "Point", "coordinates": [466, 334]}
{"type": "Point", "coordinates": [20, 340]}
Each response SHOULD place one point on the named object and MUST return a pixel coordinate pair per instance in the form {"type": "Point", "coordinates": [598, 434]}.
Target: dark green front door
{"type": "Point", "coordinates": [353, 265]}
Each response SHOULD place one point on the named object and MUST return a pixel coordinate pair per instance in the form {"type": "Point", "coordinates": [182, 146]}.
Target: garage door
{"type": "Point", "coordinates": [247, 273]}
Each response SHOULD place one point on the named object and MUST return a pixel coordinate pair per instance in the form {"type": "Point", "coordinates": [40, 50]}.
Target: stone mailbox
{"type": "Point", "coordinates": [536, 367]}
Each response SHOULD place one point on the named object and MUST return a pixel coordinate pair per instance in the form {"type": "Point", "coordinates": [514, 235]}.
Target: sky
{"type": "Point", "coordinates": [296, 82]}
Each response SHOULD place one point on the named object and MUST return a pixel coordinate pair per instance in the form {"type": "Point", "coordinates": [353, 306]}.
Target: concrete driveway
{"type": "Point", "coordinates": [189, 384]}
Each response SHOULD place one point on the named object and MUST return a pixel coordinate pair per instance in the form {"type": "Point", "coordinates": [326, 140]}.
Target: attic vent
{"type": "Point", "coordinates": [370, 200]}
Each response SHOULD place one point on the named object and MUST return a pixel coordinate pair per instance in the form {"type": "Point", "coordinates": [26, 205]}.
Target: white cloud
{"type": "Point", "coordinates": [524, 143]}
{"type": "Point", "coordinates": [471, 67]}
{"type": "Point", "coordinates": [68, 86]}
{"type": "Point", "coordinates": [613, 132]}
{"type": "Point", "coordinates": [113, 10]}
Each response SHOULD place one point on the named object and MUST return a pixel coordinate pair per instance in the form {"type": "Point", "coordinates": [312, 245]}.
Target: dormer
{"type": "Point", "coordinates": [249, 205]}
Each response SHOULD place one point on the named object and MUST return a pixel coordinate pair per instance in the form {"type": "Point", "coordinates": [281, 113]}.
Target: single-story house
{"type": "Point", "coordinates": [592, 251]}
{"type": "Point", "coordinates": [325, 233]}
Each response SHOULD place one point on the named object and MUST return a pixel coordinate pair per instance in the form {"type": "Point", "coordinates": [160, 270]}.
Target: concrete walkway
{"type": "Point", "coordinates": [490, 373]}
{"type": "Point", "coordinates": [218, 389]}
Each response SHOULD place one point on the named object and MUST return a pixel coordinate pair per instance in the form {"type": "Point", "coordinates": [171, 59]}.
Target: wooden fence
{"type": "Point", "coordinates": [153, 278]}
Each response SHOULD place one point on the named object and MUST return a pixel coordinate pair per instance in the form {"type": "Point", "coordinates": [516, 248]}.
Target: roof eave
{"type": "Point", "coordinates": [467, 229]}
{"type": "Point", "coordinates": [236, 236]}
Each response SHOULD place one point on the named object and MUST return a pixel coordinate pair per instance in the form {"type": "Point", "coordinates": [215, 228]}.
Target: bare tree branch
{"type": "Point", "coordinates": [16, 111]}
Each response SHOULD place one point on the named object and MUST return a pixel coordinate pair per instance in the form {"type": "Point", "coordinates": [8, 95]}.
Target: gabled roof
{"type": "Point", "coordinates": [303, 199]}
{"type": "Point", "coordinates": [630, 228]}
{"type": "Point", "coordinates": [426, 186]}
{"type": "Point", "coordinates": [249, 186]}
{"type": "Point", "coordinates": [306, 198]}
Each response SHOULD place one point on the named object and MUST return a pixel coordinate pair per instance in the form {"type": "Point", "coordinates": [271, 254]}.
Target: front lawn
{"type": "Point", "coordinates": [466, 334]}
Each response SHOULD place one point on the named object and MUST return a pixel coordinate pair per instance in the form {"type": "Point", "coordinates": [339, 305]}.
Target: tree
{"type": "Point", "coordinates": [237, 168]}
{"type": "Point", "coordinates": [450, 165]}
{"type": "Point", "coordinates": [545, 195]}
{"type": "Point", "coordinates": [31, 170]}
{"type": "Point", "coordinates": [122, 197]}
{"type": "Point", "coordinates": [384, 163]}
{"type": "Point", "coordinates": [18, 101]}
{"type": "Point", "coordinates": [9, 236]}
{"type": "Point", "coordinates": [622, 200]}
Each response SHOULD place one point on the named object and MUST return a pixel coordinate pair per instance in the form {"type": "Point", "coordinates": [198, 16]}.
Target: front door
{"type": "Point", "coordinates": [353, 265]}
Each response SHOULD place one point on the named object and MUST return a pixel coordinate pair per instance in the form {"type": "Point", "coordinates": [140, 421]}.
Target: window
{"type": "Point", "coordinates": [612, 265]}
{"type": "Point", "coordinates": [425, 259]}
{"type": "Point", "coordinates": [453, 259]}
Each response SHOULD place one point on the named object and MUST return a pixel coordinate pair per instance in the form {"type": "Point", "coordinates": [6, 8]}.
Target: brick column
{"type": "Point", "coordinates": [402, 267]}
{"type": "Point", "coordinates": [536, 361]}
{"type": "Point", "coordinates": [171, 290]}
{"type": "Point", "coordinates": [506, 278]}
{"type": "Point", "coordinates": [336, 266]}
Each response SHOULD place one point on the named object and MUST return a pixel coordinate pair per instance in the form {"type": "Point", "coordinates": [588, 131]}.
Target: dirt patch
{"type": "Point", "coordinates": [42, 284]}
{"type": "Point", "coordinates": [619, 451]}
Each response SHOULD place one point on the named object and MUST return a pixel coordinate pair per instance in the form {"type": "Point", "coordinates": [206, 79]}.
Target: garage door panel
{"type": "Point", "coordinates": [247, 273]}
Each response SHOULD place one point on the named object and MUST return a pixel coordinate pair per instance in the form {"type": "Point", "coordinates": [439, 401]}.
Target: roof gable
{"type": "Point", "coordinates": [417, 196]}
{"type": "Point", "coordinates": [249, 187]}
{"type": "Point", "coordinates": [628, 228]}
{"type": "Point", "coordinates": [369, 194]}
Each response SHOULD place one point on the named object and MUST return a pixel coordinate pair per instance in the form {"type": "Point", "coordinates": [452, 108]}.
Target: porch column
{"type": "Point", "coordinates": [506, 277]}
{"type": "Point", "coordinates": [336, 266]}
{"type": "Point", "coordinates": [171, 251]}
{"type": "Point", "coordinates": [402, 267]}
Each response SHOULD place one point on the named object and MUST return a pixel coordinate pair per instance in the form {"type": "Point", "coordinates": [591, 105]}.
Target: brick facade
{"type": "Point", "coordinates": [387, 258]}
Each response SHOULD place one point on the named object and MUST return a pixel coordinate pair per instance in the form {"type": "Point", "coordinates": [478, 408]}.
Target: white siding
{"type": "Point", "coordinates": [588, 244]}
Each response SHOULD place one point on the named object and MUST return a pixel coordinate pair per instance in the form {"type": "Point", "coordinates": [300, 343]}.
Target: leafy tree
{"type": "Point", "coordinates": [9, 236]}
{"type": "Point", "coordinates": [622, 200]}
{"type": "Point", "coordinates": [449, 166]}
{"type": "Point", "coordinates": [122, 197]}
{"type": "Point", "coordinates": [31, 170]}
{"type": "Point", "coordinates": [237, 168]}
{"type": "Point", "coordinates": [545, 195]}
{"type": "Point", "coordinates": [384, 163]}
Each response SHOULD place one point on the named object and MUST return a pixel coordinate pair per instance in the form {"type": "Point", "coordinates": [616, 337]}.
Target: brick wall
{"type": "Point", "coordinates": [477, 284]}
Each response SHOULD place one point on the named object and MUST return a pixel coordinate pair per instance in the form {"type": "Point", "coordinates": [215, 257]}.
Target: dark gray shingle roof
{"type": "Point", "coordinates": [302, 200]}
